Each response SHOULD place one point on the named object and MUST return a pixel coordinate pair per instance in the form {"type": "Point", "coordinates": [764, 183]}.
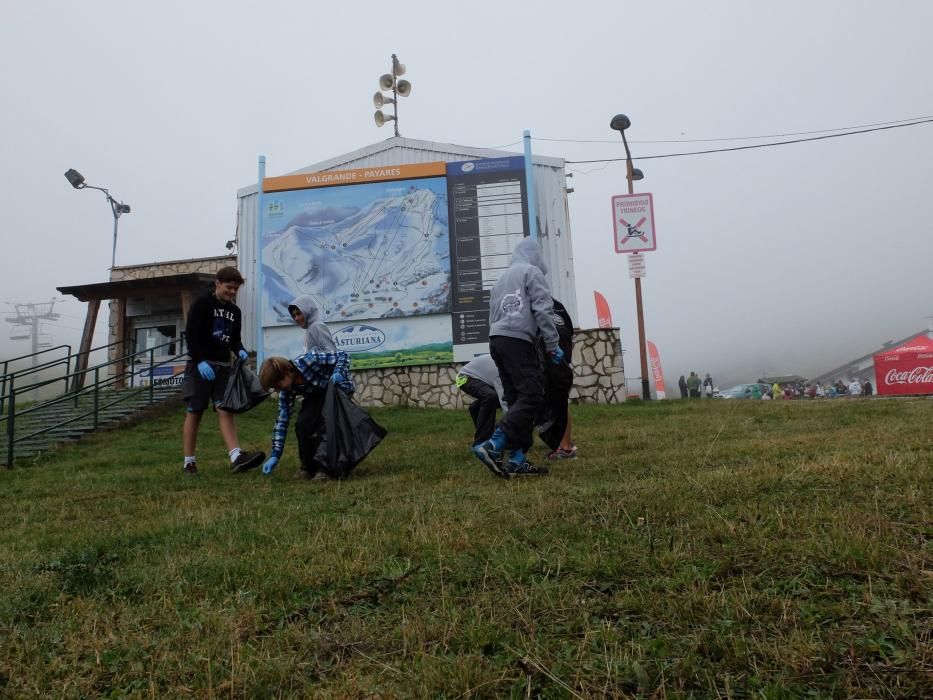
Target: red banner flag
{"type": "Point", "coordinates": [655, 359]}
{"type": "Point", "coordinates": [603, 317]}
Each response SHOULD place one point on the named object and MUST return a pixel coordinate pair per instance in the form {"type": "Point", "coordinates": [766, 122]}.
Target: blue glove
{"type": "Point", "coordinates": [338, 378]}
{"type": "Point", "coordinates": [206, 371]}
{"type": "Point", "coordinates": [269, 465]}
{"type": "Point", "coordinates": [556, 355]}
{"type": "Point", "coordinates": [243, 355]}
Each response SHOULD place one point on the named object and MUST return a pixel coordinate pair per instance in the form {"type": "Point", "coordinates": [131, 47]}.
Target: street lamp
{"type": "Point", "coordinates": [118, 208]}
{"type": "Point", "coordinates": [399, 88]}
{"type": "Point", "coordinates": [620, 123]}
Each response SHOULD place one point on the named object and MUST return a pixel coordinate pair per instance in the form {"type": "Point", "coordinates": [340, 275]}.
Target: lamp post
{"type": "Point", "coordinates": [118, 208]}
{"type": "Point", "coordinates": [620, 123]}
{"type": "Point", "coordinates": [399, 88]}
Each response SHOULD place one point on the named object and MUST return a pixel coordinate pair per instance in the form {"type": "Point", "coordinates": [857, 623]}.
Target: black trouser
{"type": "Point", "coordinates": [483, 410]}
{"type": "Point", "coordinates": [309, 428]}
{"type": "Point", "coordinates": [523, 384]}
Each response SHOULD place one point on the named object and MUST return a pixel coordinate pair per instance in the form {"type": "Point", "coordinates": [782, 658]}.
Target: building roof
{"type": "Point", "coordinates": [410, 151]}
{"type": "Point", "coordinates": [127, 288]}
{"type": "Point", "coordinates": [159, 263]}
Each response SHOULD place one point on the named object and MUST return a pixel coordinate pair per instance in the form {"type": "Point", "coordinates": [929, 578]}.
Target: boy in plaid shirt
{"type": "Point", "coordinates": [306, 376]}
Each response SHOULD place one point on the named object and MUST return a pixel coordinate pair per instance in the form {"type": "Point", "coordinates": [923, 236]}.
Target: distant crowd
{"type": "Point", "coordinates": [692, 387]}
{"type": "Point", "coordinates": [818, 390]}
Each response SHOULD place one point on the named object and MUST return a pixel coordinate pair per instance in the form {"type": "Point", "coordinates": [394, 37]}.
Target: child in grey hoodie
{"type": "Point", "coordinates": [307, 315]}
{"type": "Point", "coordinates": [520, 310]}
{"type": "Point", "coordinates": [479, 378]}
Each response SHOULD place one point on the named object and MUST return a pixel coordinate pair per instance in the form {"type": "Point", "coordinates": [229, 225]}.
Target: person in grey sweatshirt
{"type": "Point", "coordinates": [307, 315]}
{"type": "Point", "coordinates": [520, 310]}
{"type": "Point", "coordinates": [479, 378]}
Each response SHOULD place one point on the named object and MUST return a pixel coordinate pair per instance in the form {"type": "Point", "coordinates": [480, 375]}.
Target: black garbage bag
{"type": "Point", "coordinates": [243, 390]}
{"type": "Point", "coordinates": [350, 434]}
{"type": "Point", "coordinates": [552, 418]}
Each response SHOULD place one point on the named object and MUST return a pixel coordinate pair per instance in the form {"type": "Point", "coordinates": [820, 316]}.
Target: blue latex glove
{"type": "Point", "coordinates": [338, 378]}
{"type": "Point", "coordinates": [556, 355]}
{"type": "Point", "coordinates": [206, 371]}
{"type": "Point", "coordinates": [243, 355]}
{"type": "Point", "coordinates": [269, 465]}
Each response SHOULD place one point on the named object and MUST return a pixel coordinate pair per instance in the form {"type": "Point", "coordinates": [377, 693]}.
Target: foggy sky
{"type": "Point", "coordinates": [791, 259]}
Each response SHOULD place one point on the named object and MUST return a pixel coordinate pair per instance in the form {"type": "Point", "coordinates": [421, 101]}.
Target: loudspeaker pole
{"type": "Point", "coordinates": [395, 92]}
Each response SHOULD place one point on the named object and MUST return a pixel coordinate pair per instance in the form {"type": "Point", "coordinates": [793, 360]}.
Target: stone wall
{"type": "Point", "coordinates": [597, 365]}
{"type": "Point", "coordinates": [171, 267]}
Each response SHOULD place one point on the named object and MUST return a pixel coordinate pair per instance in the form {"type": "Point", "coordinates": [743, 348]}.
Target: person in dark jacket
{"type": "Point", "coordinates": [682, 383]}
{"type": "Point", "coordinates": [212, 333]}
{"type": "Point", "coordinates": [693, 385]}
{"type": "Point", "coordinates": [558, 383]}
{"type": "Point", "coordinates": [520, 308]}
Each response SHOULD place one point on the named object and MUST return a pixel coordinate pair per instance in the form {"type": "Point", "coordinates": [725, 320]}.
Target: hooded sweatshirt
{"type": "Point", "coordinates": [520, 302]}
{"type": "Point", "coordinates": [317, 335]}
{"type": "Point", "coordinates": [484, 369]}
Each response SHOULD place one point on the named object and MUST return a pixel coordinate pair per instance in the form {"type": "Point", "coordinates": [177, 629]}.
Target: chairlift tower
{"type": "Point", "coordinates": [26, 324]}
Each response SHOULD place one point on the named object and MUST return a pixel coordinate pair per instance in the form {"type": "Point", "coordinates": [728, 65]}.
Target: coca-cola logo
{"type": "Point", "coordinates": [917, 375]}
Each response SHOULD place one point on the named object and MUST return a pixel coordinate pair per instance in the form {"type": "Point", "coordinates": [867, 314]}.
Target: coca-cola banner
{"type": "Point", "coordinates": [603, 317]}
{"type": "Point", "coordinates": [907, 369]}
{"type": "Point", "coordinates": [655, 360]}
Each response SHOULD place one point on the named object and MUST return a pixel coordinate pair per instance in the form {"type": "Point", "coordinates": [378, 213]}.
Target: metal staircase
{"type": "Point", "coordinates": [112, 394]}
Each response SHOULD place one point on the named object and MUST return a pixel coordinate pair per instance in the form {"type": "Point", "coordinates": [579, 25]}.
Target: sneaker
{"type": "Point", "coordinates": [561, 453]}
{"type": "Point", "coordinates": [304, 475]}
{"type": "Point", "coordinates": [247, 461]}
{"type": "Point", "coordinates": [191, 469]}
{"type": "Point", "coordinates": [526, 468]}
{"type": "Point", "coordinates": [491, 457]}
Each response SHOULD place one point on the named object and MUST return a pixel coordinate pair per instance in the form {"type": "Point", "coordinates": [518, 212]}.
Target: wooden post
{"type": "Point", "coordinates": [120, 367]}
{"type": "Point", "coordinates": [187, 299]}
{"type": "Point", "coordinates": [87, 337]}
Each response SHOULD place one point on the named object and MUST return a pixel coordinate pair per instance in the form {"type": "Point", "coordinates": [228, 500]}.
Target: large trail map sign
{"type": "Point", "coordinates": [399, 259]}
{"type": "Point", "coordinates": [374, 250]}
{"type": "Point", "coordinates": [368, 245]}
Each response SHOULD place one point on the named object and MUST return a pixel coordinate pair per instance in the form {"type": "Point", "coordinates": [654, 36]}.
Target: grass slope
{"type": "Point", "coordinates": [701, 549]}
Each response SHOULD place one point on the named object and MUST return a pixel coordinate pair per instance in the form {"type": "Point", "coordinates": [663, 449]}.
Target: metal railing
{"type": "Point", "coordinates": [71, 360]}
{"type": "Point", "coordinates": [45, 365]}
{"type": "Point", "coordinates": [107, 391]}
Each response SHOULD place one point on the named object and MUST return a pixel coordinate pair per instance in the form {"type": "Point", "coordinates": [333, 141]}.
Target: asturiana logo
{"type": "Point", "coordinates": [359, 338]}
{"type": "Point", "coordinates": [467, 167]}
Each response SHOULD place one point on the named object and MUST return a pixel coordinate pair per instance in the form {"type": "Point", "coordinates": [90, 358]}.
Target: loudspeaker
{"type": "Point", "coordinates": [386, 82]}
{"type": "Point", "coordinates": [379, 99]}
{"type": "Point", "coordinates": [381, 118]}
{"type": "Point", "coordinates": [403, 88]}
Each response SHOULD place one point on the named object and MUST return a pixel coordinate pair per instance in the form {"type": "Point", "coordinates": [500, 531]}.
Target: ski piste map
{"type": "Point", "coordinates": [363, 251]}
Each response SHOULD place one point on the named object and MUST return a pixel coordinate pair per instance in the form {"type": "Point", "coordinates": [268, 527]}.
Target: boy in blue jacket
{"type": "Point", "coordinates": [306, 376]}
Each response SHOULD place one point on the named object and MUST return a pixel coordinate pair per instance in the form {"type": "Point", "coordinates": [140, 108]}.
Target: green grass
{"type": "Point", "coordinates": [701, 549]}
